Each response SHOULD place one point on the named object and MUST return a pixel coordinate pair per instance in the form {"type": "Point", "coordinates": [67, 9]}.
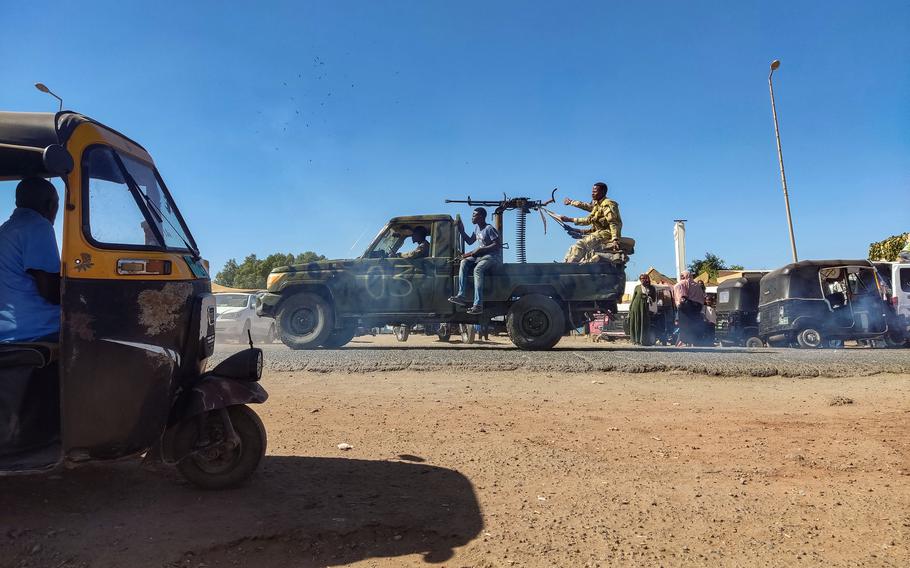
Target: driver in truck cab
{"type": "Point", "coordinates": [30, 266]}
{"type": "Point", "coordinates": [419, 238]}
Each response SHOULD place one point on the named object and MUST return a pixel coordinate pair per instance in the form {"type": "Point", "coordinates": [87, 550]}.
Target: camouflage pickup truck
{"type": "Point", "coordinates": [322, 303]}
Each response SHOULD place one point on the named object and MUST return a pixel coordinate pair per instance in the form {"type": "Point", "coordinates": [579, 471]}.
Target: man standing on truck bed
{"type": "Point", "coordinates": [606, 225]}
{"type": "Point", "coordinates": [480, 260]}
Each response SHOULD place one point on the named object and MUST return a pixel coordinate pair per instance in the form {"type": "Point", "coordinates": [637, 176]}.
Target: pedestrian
{"type": "Point", "coordinates": [479, 261]}
{"type": "Point", "coordinates": [710, 316]}
{"type": "Point", "coordinates": [644, 296]}
{"type": "Point", "coordinates": [689, 299]}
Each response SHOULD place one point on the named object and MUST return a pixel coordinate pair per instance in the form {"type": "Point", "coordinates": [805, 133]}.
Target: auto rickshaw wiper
{"type": "Point", "coordinates": [159, 216]}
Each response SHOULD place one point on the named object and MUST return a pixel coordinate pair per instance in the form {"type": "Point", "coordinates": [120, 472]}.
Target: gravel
{"type": "Point", "coordinates": [574, 355]}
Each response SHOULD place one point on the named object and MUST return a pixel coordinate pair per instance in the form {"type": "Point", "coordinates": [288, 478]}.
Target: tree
{"type": "Point", "coordinates": [890, 248]}
{"type": "Point", "coordinates": [712, 264]}
{"type": "Point", "coordinates": [253, 271]}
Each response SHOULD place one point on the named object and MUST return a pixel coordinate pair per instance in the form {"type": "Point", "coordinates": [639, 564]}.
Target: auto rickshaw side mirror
{"type": "Point", "coordinates": [57, 160]}
{"type": "Point", "coordinates": [243, 366]}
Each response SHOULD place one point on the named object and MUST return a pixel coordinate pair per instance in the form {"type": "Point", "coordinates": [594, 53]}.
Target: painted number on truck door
{"type": "Point", "coordinates": [391, 280]}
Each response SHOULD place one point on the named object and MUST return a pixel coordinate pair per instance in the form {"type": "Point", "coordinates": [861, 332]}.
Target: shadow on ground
{"type": "Point", "coordinates": [297, 511]}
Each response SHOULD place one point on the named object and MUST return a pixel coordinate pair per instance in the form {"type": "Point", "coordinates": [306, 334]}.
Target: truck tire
{"type": "Point", "coordinates": [339, 338]}
{"type": "Point", "coordinates": [754, 341]}
{"type": "Point", "coordinates": [305, 321]}
{"type": "Point", "coordinates": [535, 322]}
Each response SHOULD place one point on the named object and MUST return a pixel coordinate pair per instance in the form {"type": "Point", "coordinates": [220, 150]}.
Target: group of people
{"type": "Point", "coordinates": [694, 312]}
{"type": "Point", "coordinates": [603, 229]}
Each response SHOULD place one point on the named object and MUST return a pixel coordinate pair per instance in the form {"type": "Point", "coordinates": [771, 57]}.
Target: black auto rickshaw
{"type": "Point", "coordinates": [818, 303]}
{"type": "Point", "coordinates": [737, 311]}
{"type": "Point", "coordinates": [137, 322]}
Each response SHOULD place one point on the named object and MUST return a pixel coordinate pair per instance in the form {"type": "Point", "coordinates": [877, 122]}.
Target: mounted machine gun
{"type": "Point", "coordinates": [521, 205]}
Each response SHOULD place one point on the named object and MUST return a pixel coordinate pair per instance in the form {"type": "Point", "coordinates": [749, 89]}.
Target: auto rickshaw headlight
{"type": "Point", "coordinates": [243, 366]}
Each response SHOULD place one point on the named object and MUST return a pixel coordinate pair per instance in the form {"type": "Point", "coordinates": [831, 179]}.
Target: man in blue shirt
{"type": "Point", "coordinates": [480, 260]}
{"type": "Point", "coordinates": [30, 266]}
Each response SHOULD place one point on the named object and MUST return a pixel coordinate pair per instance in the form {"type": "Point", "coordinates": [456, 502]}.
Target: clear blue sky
{"type": "Point", "coordinates": [306, 125]}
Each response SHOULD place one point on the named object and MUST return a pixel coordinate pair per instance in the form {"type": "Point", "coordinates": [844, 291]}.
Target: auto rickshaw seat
{"type": "Point", "coordinates": [34, 354]}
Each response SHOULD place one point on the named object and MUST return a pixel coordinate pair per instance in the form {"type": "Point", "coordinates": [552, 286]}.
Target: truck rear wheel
{"type": "Point", "coordinates": [535, 322]}
{"type": "Point", "coordinates": [305, 321]}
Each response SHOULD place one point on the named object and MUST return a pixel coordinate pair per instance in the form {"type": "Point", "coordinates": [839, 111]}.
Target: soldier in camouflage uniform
{"type": "Point", "coordinates": [605, 222]}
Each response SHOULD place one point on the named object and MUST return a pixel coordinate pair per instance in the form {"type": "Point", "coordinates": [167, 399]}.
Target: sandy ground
{"type": "Point", "coordinates": [511, 469]}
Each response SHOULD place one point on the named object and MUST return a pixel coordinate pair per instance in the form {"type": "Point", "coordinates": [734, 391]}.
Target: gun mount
{"type": "Point", "coordinates": [522, 206]}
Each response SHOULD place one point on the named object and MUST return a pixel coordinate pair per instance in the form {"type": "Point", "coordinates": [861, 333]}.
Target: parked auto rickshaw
{"type": "Point", "coordinates": [737, 311]}
{"type": "Point", "coordinates": [137, 322]}
{"type": "Point", "coordinates": [814, 303]}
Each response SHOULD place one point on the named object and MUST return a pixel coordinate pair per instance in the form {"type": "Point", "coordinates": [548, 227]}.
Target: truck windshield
{"type": "Point", "coordinates": [388, 242]}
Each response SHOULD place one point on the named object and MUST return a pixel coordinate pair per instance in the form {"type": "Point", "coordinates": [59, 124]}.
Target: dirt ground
{"type": "Point", "coordinates": [511, 469]}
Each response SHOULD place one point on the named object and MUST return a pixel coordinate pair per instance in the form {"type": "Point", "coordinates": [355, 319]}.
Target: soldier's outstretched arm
{"type": "Point", "coordinates": [583, 205]}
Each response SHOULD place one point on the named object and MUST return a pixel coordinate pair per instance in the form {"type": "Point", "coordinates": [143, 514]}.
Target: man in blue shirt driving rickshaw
{"type": "Point", "coordinates": [30, 266]}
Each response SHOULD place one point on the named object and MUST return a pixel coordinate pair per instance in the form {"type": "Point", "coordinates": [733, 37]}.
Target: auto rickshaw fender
{"type": "Point", "coordinates": [211, 393]}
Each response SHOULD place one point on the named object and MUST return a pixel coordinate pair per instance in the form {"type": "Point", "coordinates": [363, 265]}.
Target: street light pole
{"type": "Point", "coordinates": [43, 88]}
{"type": "Point", "coordinates": [780, 158]}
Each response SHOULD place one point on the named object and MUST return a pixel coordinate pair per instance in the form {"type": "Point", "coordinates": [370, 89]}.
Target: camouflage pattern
{"type": "Point", "coordinates": [606, 226]}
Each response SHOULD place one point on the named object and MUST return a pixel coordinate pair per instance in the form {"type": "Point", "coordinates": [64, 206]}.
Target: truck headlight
{"type": "Point", "coordinates": [274, 278]}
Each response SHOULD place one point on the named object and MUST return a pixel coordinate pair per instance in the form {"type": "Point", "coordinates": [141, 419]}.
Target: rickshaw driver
{"type": "Point", "coordinates": [30, 266]}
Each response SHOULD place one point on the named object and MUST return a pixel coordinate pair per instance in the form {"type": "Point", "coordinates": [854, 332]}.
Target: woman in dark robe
{"type": "Point", "coordinates": [640, 311]}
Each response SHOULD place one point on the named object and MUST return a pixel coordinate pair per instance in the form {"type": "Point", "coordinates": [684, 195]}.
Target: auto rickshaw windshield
{"type": "Point", "coordinates": [128, 204]}
{"type": "Point", "coordinates": [164, 211]}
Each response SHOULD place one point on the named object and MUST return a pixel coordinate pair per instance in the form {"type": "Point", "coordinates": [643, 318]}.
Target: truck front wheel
{"type": "Point", "coordinates": [305, 321]}
{"type": "Point", "coordinates": [535, 322]}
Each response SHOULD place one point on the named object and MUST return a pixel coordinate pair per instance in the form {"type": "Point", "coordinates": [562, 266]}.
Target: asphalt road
{"type": "Point", "coordinates": [576, 355]}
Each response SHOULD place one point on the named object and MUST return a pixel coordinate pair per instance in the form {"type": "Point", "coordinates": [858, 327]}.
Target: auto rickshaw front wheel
{"type": "Point", "coordinates": [221, 463]}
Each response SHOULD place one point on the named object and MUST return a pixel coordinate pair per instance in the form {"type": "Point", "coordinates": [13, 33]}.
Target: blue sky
{"type": "Point", "coordinates": [306, 125]}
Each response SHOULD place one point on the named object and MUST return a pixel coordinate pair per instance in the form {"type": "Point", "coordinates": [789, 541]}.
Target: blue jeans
{"type": "Point", "coordinates": [479, 266]}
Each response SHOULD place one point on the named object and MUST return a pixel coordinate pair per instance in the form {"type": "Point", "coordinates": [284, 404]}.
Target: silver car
{"type": "Point", "coordinates": [236, 315]}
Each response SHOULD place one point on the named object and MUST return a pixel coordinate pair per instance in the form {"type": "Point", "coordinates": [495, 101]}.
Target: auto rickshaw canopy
{"type": "Point", "coordinates": [800, 280]}
{"type": "Point", "coordinates": [739, 293]}
{"type": "Point", "coordinates": [30, 142]}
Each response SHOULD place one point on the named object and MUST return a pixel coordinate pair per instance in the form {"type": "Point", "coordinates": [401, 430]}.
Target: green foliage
{"type": "Point", "coordinates": [710, 264]}
{"type": "Point", "coordinates": [253, 271]}
{"type": "Point", "coordinates": [736, 267]}
{"type": "Point", "coordinates": [889, 248]}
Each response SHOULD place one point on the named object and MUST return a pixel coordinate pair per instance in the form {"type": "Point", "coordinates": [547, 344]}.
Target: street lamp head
{"type": "Point", "coordinates": [774, 65]}
{"type": "Point", "coordinates": [42, 87]}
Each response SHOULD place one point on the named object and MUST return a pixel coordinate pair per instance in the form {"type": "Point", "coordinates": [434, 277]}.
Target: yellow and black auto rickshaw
{"type": "Point", "coordinates": [137, 322]}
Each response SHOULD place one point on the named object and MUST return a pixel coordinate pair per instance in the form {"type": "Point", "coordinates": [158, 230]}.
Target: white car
{"type": "Point", "coordinates": [236, 314]}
